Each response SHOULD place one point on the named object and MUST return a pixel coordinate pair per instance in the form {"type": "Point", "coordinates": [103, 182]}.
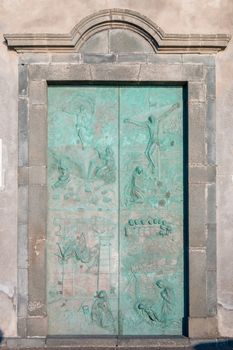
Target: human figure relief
{"type": "Point", "coordinates": [63, 174]}
{"type": "Point", "coordinates": [83, 116]}
{"type": "Point", "coordinates": [101, 168]}
{"type": "Point", "coordinates": [151, 124]}
{"type": "Point", "coordinates": [106, 170]}
{"type": "Point", "coordinates": [133, 193]}
{"type": "Point", "coordinates": [80, 126]}
{"type": "Point", "coordinates": [167, 296]}
{"type": "Point", "coordinates": [101, 313]}
{"type": "Point", "coordinates": [144, 309]}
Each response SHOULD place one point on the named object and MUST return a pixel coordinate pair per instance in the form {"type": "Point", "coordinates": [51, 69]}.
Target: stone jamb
{"type": "Point", "coordinates": [33, 79]}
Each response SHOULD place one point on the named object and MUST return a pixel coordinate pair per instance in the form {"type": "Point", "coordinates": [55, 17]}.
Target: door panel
{"type": "Point", "coordinates": [115, 210]}
{"type": "Point", "coordinates": [151, 211]}
{"type": "Point", "coordinates": [82, 253]}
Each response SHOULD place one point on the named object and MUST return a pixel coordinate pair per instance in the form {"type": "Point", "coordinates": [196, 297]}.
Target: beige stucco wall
{"type": "Point", "coordinates": [59, 16]}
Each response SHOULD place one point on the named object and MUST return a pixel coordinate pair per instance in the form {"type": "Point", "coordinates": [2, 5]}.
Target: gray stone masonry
{"type": "Point", "coordinates": [197, 79]}
{"type": "Point", "coordinates": [117, 56]}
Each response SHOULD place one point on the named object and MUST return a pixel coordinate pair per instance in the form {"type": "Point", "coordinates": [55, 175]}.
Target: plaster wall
{"type": "Point", "coordinates": [180, 16]}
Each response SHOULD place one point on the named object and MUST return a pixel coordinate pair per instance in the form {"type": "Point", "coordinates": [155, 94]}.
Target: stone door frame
{"type": "Point", "coordinates": [197, 74]}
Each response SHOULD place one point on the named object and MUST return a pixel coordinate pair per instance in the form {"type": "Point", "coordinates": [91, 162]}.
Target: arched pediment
{"type": "Point", "coordinates": [115, 19]}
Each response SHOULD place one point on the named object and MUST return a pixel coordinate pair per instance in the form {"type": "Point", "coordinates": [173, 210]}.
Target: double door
{"type": "Point", "coordinates": [115, 210]}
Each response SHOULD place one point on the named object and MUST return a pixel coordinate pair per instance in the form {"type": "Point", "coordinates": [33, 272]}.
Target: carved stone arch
{"type": "Point", "coordinates": [123, 19]}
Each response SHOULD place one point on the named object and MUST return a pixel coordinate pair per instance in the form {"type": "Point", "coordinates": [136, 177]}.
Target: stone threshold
{"type": "Point", "coordinates": [110, 343]}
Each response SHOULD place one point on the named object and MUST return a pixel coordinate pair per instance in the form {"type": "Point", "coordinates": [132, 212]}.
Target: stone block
{"type": "Point", "coordinates": [37, 175]}
{"type": "Point", "coordinates": [98, 58]}
{"type": "Point", "coordinates": [131, 57]}
{"type": "Point", "coordinates": [23, 204]}
{"type": "Point", "coordinates": [117, 72]}
{"type": "Point", "coordinates": [23, 281]}
{"type": "Point", "coordinates": [211, 246]}
{"type": "Point", "coordinates": [34, 57]}
{"type": "Point", "coordinates": [37, 213]}
{"type": "Point", "coordinates": [22, 293]}
{"type": "Point", "coordinates": [23, 150]}
{"type": "Point", "coordinates": [211, 203]}
{"type": "Point", "coordinates": [197, 283]}
{"type": "Point", "coordinates": [23, 176]}
{"type": "Point", "coordinates": [208, 60]}
{"type": "Point", "coordinates": [193, 72]}
{"type": "Point", "coordinates": [154, 343]}
{"type": "Point", "coordinates": [37, 278]}
{"type": "Point", "coordinates": [23, 132]}
{"type": "Point", "coordinates": [38, 71]}
{"type": "Point", "coordinates": [37, 92]}
{"type": "Point", "coordinates": [22, 327]}
{"type": "Point", "coordinates": [25, 343]}
{"type": "Point", "coordinates": [211, 131]}
{"type": "Point", "coordinates": [37, 135]}
{"type": "Point", "coordinates": [22, 246]}
{"type": "Point", "coordinates": [164, 59]}
{"type": "Point", "coordinates": [197, 91]}
{"type": "Point", "coordinates": [197, 215]}
{"type": "Point", "coordinates": [161, 73]}
{"type": "Point", "coordinates": [211, 293]}
{"type": "Point", "coordinates": [98, 43]}
{"type": "Point", "coordinates": [37, 231]}
{"type": "Point", "coordinates": [211, 172]}
{"type": "Point", "coordinates": [203, 328]}
{"type": "Point", "coordinates": [212, 327]}
{"type": "Point", "coordinates": [66, 58]}
{"type": "Point", "coordinates": [23, 80]}
{"type": "Point", "coordinates": [197, 128]}
{"type": "Point", "coordinates": [37, 327]}
{"type": "Point", "coordinates": [198, 174]}
{"type": "Point", "coordinates": [53, 72]}
{"type": "Point", "coordinates": [36, 247]}
{"type": "Point", "coordinates": [83, 343]}
{"type": "Point", "coordinates": [127, 41]}
{"type": "Point", "coordinates": [202, 174]}
{"type": "Point", "coordinates": [210, 81]}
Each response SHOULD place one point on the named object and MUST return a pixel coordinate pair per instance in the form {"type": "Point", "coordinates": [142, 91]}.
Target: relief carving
{"type": "Point", "coordinates": [115, 194]}
{"type": "Point", "coordinates": [101, 313]}
{"type": "Point", "coordinates": [152, 125]}
{"type": "Point", "coordinates": [133, 192]}
{"type": "Point", "coordinates": [148, 227]}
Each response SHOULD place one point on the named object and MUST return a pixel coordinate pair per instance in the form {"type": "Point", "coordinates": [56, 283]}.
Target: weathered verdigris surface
{"type": "Point", "coordinates": [83, 210]}
{"type": "Point", "coordinates": [115, 210]}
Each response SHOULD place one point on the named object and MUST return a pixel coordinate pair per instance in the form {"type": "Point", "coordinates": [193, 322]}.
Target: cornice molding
{"type": "Point", "coordinates": [160, 41]}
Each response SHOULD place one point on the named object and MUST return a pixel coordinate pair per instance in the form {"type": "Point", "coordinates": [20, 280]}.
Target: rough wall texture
{"type": "Point", "coordinates": [191, 16]}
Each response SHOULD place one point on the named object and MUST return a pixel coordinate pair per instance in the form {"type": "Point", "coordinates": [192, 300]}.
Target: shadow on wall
{"type": "Point", "coordinates": [1, 336]}
{"type": "Point", "coordinates": [221, 345]}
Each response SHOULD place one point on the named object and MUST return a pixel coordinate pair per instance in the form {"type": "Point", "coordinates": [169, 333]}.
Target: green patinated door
{"type": "Point", "coordinates": [115, 210]}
